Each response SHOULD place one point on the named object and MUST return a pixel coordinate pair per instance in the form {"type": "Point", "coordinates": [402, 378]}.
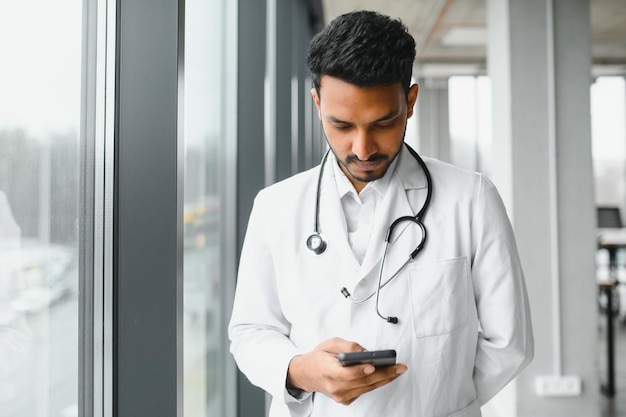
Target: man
{"type": "Point", "coordinates": [461, 326]}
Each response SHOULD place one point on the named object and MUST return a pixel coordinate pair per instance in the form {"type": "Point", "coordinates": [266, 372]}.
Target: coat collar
{"type": "Point", "coordinates": [409, 172]}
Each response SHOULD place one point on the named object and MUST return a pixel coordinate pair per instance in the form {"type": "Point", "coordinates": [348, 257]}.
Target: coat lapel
{"type": "Point", "coordinates": [332, 219]}
{"type": "Point", "coordinates": [404, 197]}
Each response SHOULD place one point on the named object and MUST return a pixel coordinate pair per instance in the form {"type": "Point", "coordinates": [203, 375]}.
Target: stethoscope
{"type": "Point", "coordinates": [318, 245]}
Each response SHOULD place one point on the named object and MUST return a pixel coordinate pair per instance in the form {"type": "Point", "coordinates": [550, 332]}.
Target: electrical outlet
{"type": "Point", "coordinates": [558, 386]}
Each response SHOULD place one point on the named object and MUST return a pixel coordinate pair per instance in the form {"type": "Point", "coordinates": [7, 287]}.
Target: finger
{"type": "Point", "coordinates": [386, 373]}
{"type": "Point", "coordinates": [351, 382]}
{"type": "Point", "coordinates": [365, 377]}
{"type": "Point", "coordinates": [348, 396]}
{"type": "Point", "coordinates": [356, 372]}
{"type": "Point", "coordinates": [373, 381]}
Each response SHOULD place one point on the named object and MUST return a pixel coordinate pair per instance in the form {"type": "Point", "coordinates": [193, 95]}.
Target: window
{"type": "Point", "coordinates": [39, 209]}
{"type": "Point", "coordinates": [470, 122]}
{"type": "Point", "coordinates": [608, 110]}
{"type": "Point", "coordinates": [209, 238]}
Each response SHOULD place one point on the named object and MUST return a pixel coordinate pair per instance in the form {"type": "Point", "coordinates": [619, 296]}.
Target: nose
{"type": "Point", "coordinates": [363, 146]}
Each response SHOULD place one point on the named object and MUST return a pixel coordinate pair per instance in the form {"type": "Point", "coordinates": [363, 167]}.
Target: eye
{"type": "Point", "coordinates": [383, 125]}
{"type": "Point", "coordinates": [341, 127]}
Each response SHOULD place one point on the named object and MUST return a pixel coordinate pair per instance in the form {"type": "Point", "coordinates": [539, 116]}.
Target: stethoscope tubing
{"type": "Point", "coordinates": [316, 225]}
{"type": "Point", "coordinates": [417, 219]}
{"type": "Point", "coordinates": [420, 214]}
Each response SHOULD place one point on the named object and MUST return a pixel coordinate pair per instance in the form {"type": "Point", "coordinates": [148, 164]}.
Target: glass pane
{"type": "Point", "coordinates": [470, 122]}
{"type": "Point", "coordinates": [608, 133]}
{"type": "Point", "coordinates": [39, 186]}
{"type": "Point", "coordinates": [206, 350]}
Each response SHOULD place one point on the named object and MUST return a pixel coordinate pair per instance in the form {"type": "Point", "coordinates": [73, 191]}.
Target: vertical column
{"type": "Point", "coordinates": [301, 100]}
{"type": "Point", "coordinates": [250, 105]}
{"type": "Point", "coordinates": [147, 243]}
{"type": "Point", "coordinates": [433, 112]}
{"type": "Point", "coordinates": [284, 75]}
{"type": "Point", "coordinates": [539, 61]}
{"type": "Point", "coordinates": [251, 174]}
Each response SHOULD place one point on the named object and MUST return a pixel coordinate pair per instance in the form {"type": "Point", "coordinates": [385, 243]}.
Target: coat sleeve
{"type": "Point", "coordinates": [505, 343]}
{"type": "Point", "coordinates": [258, 330]}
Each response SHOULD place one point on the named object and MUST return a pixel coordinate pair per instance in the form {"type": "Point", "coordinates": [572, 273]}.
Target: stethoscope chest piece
{"type": "Point", "coordinates": [316, 244]}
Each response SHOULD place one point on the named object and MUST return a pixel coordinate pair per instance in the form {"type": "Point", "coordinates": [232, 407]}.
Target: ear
{"type": "Point", "coordinates": [316, 99]}
{"type": "Point", "coordinates": [411, 99]}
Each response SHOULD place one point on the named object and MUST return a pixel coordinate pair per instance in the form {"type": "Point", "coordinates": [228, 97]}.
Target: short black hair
{"type": "Point", "coordinates": [364, 48]}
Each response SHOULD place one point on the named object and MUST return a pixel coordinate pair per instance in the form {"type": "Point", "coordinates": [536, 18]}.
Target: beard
{"type": "Point", "coordinates": [371, 175]}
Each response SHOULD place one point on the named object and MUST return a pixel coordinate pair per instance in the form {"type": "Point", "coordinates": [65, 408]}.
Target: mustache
{"type": "Point", "coordinates": [373, 158]}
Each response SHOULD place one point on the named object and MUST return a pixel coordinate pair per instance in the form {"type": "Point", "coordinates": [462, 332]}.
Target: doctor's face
{"type": "Point", "coordinates": [364, 125]}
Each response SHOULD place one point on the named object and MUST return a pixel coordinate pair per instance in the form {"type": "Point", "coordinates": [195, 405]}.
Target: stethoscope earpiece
{"type": "Point", "coordinates": [316, 244]}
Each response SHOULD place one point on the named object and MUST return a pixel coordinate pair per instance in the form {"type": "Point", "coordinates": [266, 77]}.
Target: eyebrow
{"type": "Point", "coordinates": [389, 116]}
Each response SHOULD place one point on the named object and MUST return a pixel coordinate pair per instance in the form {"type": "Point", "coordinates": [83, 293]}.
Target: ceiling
{"type": "Point", "coordinates": [451, 34]}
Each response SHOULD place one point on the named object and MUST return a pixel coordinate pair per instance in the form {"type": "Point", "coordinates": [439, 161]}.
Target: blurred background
{"type": "Point", "coordinates": [134, 136]}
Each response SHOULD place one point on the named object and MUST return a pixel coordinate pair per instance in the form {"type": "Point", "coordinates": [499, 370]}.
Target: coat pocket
{"type": "Point", "coordinates": [472, 410]}
{"type": "Point", "coordinates": [439, 298]}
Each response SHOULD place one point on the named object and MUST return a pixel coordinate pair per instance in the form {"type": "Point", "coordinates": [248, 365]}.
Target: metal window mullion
{"type": "Point", "coordinates": [86, 212]}
{"type": "Point", "coordinates": [108, 102]}
{"type": "Point", "coordinates": [94, 218]}
{"type": "Point", "coordinates": [229, 192]}
{"type": "Point", "coordinates": [147, 210]}
{"type": "Point", "coordinates": [251, 133]}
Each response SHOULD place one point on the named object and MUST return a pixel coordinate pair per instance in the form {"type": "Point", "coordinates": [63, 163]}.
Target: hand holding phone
{"type": "Point", "coordinates": [316, 370]}
{"type": "Point", "coordinates": [378, 358]}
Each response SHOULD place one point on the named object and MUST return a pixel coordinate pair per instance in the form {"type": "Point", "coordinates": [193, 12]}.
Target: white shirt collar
{"type": "Point", "coordinates": [344, 186]}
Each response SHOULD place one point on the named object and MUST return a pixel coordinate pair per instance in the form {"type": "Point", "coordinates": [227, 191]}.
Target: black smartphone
{"type": "Point", "coordinates": [375, 357]}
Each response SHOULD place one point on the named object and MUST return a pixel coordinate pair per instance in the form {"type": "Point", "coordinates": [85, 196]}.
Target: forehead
{"type": "Point", "coordinates": [348, 101]}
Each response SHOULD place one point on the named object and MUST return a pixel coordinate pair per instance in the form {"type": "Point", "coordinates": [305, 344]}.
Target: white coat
{"type": "Point", "coordinates": [464, 327]}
